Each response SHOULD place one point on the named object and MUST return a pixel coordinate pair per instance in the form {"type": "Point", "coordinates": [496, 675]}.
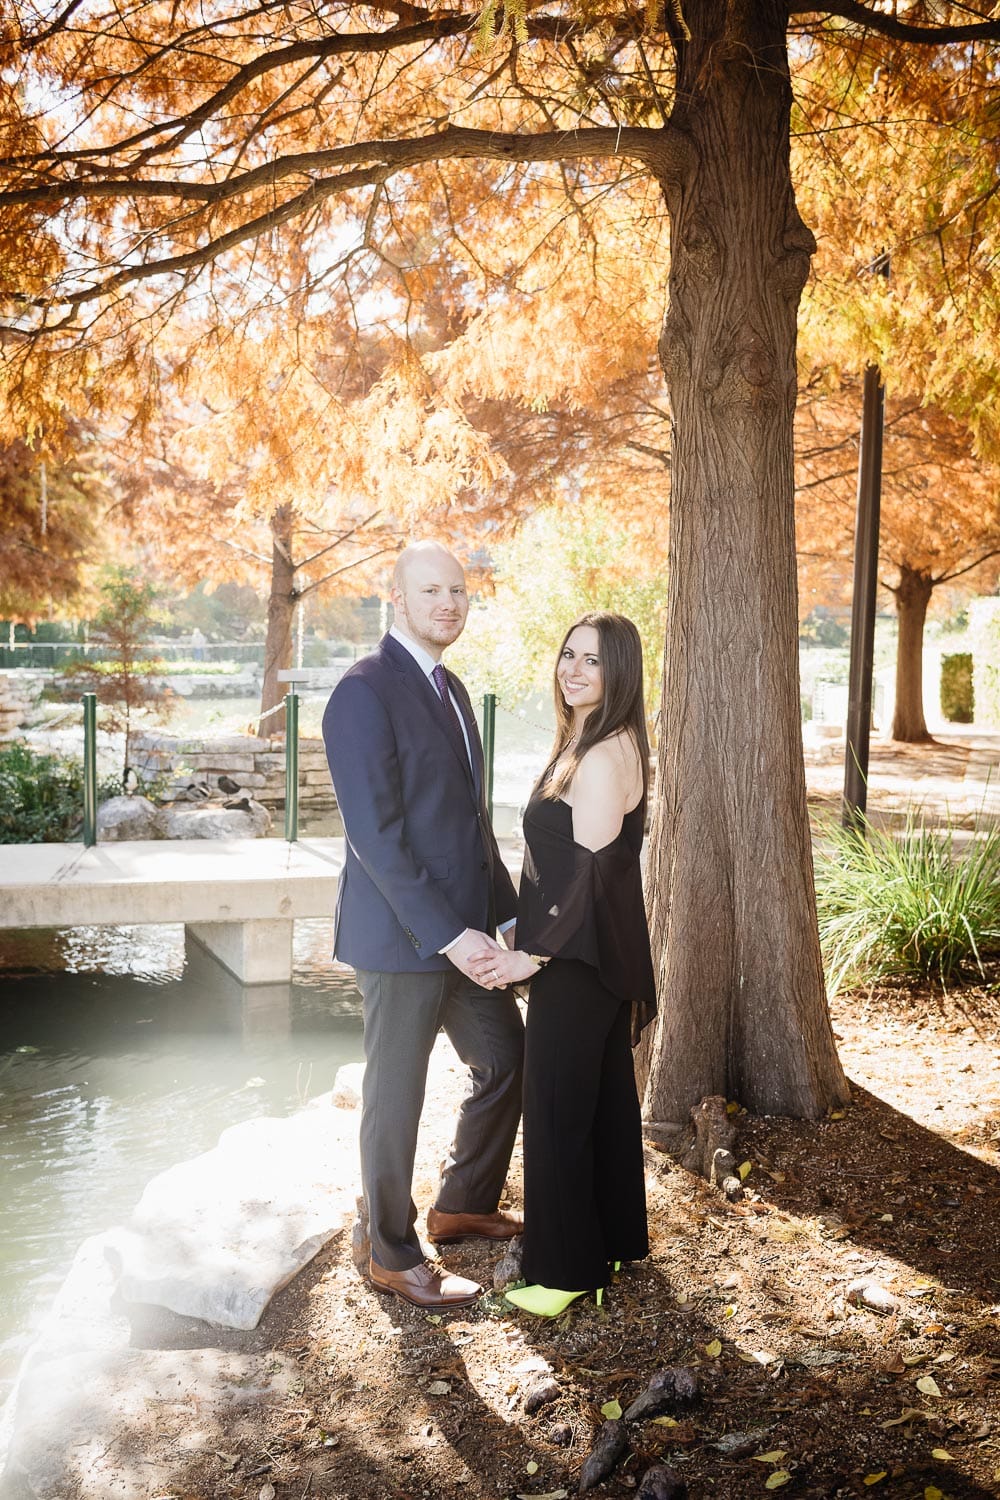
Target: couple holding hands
{"type": "Point", "coordinates": [423, 892]}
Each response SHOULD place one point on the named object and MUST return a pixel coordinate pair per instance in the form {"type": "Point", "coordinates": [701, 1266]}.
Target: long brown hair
{"type": "Point", "coordinates": [620, 653]}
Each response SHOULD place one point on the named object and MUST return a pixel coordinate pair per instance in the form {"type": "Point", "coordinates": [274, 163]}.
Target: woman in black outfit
{"type": "Point", "coordinates": [583, 941]}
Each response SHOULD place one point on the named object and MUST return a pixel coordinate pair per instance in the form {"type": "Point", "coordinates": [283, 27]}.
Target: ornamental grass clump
{"type": "Point", "coordinates": [907, 904]}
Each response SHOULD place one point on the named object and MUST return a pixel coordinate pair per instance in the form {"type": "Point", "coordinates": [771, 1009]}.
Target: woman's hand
{"type": "Point", "coordinates": [495, 969]}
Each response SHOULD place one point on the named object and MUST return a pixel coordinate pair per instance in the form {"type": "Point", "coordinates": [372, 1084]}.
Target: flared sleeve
{"type": "Point", "coordinates": [587, 905]}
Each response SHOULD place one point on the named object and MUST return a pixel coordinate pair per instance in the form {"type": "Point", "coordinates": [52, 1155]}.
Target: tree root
{"type": "Point", "coordinates": [704, 1146]}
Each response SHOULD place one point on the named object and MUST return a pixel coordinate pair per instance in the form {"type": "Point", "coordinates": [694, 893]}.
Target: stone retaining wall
{"type": "Point", "coordinates": [16, 699]}
{"type": "Point", "coordinates": [258, 765]}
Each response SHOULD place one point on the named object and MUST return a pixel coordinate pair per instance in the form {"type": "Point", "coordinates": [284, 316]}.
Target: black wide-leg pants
{"type": "Point", "coordinates": [584, 1187]}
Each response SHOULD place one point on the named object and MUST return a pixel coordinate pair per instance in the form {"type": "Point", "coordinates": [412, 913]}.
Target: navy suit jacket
{"type": "Point", "coordinates": [422, 860]}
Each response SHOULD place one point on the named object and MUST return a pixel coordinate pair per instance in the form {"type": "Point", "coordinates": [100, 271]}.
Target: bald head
{"type": "Point", "coordinates": [429, 596]}
{"type": "Point", "coordinates": [431, 553]}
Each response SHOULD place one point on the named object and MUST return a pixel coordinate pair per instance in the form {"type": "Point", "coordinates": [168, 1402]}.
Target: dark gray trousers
{"type": "Point", "coordinates": [403, 1014]}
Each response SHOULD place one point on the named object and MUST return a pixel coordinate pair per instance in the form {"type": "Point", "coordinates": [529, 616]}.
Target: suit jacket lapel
{"type": "Point", "coordinates": [426, 693]}
{"type": "Point", "coordinates": [464, 702]}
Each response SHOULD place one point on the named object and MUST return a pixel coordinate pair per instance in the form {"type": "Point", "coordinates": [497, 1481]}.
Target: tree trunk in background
{"type": "Point", "coordinates": [732, 904]}
{"type": "Point", "coordinates": [913, 594]}
{"type": "Point", "coordinates": [280, 619]}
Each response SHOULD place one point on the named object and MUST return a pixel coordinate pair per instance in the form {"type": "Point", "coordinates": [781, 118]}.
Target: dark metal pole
{"type": "Point", "coordinates": [859, 697]}
{"type": "Point", "coordinates": [89, 770]}
{"type": "Point", "coordinates": [489, 744]}
{"type": "Point", "coordinates": [291, 767]}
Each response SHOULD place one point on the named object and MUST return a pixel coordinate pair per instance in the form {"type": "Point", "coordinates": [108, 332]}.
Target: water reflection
{"type": "Point", "coordinates": [121, 1054]}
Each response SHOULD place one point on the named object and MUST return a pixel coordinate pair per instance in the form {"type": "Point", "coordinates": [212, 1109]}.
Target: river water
{"type": "Point", "coordinates": [120, 1054]}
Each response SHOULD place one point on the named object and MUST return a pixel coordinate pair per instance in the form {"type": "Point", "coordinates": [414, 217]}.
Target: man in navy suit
{"type": "Point", "coordinates": [423, 888]}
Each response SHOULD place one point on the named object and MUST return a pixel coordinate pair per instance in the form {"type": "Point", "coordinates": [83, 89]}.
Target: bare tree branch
{"type": "Point", "coordinates": [888, 25]}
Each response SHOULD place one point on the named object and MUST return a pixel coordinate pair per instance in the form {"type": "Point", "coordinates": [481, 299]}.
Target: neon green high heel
{"type": "Point", "coordinates": [545, 1301]}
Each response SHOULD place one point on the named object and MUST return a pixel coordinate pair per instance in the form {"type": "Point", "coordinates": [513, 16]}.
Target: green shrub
{"type": "Point", "coordinates": [956, 687]}
{"type": "Point", "coordinates": [41, 797]}
{"type": "Point", "coordinates": [907, 904]}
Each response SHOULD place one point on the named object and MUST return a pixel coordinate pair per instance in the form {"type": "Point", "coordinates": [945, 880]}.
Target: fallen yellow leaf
{"type": "Point", "coordinates": [714, 1349]}
{"type": "Point", "coordinates": [744, 1169]}
{"type": "Point", "coordinates": [732, 1108]}
{"type": "Point", "coordinates": [875, 1478]}
{"type": "Point", "coordinates": [942, 1454]}
{"type": "Point", "coordinates": [730, 1311]}
{"type": "Point", "coordinates": [907, 1415]}
{"type": "Point", "coordinates": [665, 1422]}
{"type": "Point", "coordinates": [836, 1114]}
{"type": "Point", "coordinates": [774, 1457]}
{"type": "Point", "coordinates": [611, 1409]}
{"type": "Point", "coordinates": [933, 1493]}
{"type": "Point", "coordinates": [777, 1176]}
{"type": "Point", "coordinates": [928, 1385]}
{"type": "Point", "coordinates": [531, 1467]}
{"type": "Point", "coordinates": [777, 1479]}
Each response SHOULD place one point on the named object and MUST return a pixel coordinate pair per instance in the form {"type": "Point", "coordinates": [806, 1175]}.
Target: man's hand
{"type": "Point", "coordinates": [469, 943]}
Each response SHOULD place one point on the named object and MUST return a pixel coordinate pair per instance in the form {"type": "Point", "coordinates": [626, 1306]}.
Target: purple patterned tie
{"type": "Point", "coordinates": [441, 683]}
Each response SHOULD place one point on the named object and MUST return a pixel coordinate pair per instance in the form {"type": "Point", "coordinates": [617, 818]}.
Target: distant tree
{"type": "Point", "coordinates": [568, 557]}
{"type": "Point", "coordinates": [940, 522]}
{"type": "Point", "coordinates": [126, 678]}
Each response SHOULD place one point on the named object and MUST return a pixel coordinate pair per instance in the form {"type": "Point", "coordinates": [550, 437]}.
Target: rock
{"type": "Point", "coordinates": [560, 1433]}
{"type": "Point", "coordinates": [216, 1237]}
{"type": "Point", "coordinates": [128, 818]}
{"type": "Point", "coordinates": [541, 1393]}
{"type": "Point", "coordinates": [608, 1447]}
{"type": "Point", "coordinates": [865, 1293]}
{"type": "Point", "coordinates": [741, 1444]}
{"type": "Point", "coordinates": [346, 1092]}
{"type": "Point", "coordinates": [732, 1189]}
{"type": "Point", "coordinates": [214, 822]}
{"type": "Point", "coordinates": [661, 1483]}
{"type": "Point", "coordinates": [508, 1268]}
{"type": "Point", "coordinates": [676, 1383]}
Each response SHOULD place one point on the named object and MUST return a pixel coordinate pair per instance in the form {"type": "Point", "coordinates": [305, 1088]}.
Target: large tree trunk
{"type": "Point", "coordinates": [280, 618]}
{"type": "Point", "coordinates": [913, 595]}
{"type": "Point", "coordinates": [733, 918]}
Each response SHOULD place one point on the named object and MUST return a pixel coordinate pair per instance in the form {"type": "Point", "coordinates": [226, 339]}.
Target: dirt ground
{"type": "Point", "coordinates": [799, 1389]}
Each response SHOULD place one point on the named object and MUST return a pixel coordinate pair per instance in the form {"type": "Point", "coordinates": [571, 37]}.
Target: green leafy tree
{"type": "Point", "coordinates": [565, 559]}
{"type": "Point", "coordinates": [127, 677]}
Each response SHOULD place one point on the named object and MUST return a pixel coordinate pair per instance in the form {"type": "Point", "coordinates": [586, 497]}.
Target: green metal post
{"type": "Point", "coordinates": [89, 770]}
{"type": "Point", "coordinates": [291, 767]}
{"type": "Point", "coordinates": [489, 743]}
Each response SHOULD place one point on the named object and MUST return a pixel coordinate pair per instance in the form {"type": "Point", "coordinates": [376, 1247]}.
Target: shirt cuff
{"type": "Point", "coordinates": [448, 946]}
{"type": "Point", "coordinates": [506, 926]}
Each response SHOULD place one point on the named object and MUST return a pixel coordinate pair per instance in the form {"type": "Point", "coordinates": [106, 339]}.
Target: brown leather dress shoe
{"type": "Point", "coordinates": [442, 1228]}
{"type": "Point", "coordinates": [425, 1285]}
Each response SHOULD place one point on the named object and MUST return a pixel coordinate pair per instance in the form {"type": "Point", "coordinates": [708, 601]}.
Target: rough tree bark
{"type": "Point", "coordinates": [733, 919]}
{"type": "Point", "coordinates": [912, 594]}
{"type": "Point", "coordinates": [280, 619]}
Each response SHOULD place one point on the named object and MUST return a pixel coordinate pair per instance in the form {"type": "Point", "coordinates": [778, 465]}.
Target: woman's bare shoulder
{"type": "Point", "coordinates": [617, 757]}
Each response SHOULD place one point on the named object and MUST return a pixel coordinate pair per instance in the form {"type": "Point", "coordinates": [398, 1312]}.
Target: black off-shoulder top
{"type": "Point", "coordinates": [588, 905]}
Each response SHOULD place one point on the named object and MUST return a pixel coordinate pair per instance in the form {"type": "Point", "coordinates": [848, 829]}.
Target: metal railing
{"type": "Point", "coordinates": [291, 707]}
